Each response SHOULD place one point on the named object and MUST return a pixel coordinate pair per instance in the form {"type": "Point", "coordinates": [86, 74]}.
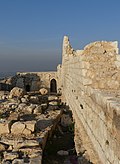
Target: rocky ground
{"type": "Point", "coordinates": [26, 121]}
{"type": "Point", "coordinates": [36, 128]}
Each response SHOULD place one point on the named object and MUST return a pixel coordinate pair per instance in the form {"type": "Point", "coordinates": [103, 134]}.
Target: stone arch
{"type": "Point", "coordinates": [27, 88]}
{"type": "Point", "coordinates": [53, 86]}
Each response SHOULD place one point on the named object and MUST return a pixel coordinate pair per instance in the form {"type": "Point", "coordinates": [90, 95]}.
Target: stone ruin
{"type": "Point", "coordinates": [26, 121]}
{"type": "Point", "coordinates": [89, 81]}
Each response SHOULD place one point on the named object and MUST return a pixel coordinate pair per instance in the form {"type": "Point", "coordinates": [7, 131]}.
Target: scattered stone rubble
{"type": "Point", "coordinates": [26, 120]}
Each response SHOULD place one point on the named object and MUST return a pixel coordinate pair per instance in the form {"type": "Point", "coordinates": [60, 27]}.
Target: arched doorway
{"type": "Point", "coordinates": [27, 88]}
{"type": "Point", "coordinates": [53, 86]}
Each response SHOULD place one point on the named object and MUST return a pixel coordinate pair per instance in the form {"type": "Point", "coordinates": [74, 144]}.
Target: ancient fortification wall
{"type": "Point", "coordinates": [35, 80]}
{"type": "Point", "coordinates": [90, 82]}
{"type": "Point", "coordinates": [31, 81]}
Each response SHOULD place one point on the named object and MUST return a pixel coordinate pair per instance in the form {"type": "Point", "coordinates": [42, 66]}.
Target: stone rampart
{"type": "Point", "coordinates": [90, 82]}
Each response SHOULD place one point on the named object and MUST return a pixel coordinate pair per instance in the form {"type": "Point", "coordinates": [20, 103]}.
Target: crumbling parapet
{"type": "Point", "coordinates": [91, 87]}
{"type": "Point", "coordinates": [98, 63]}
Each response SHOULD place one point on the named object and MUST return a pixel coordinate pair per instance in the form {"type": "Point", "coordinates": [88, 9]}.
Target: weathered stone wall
{"type": "Point", "coordinates": [32, 80]}
{"type": "Point", "coordinates": [90, 81]}
{"type": "Point", "coordinates": [35, 80]}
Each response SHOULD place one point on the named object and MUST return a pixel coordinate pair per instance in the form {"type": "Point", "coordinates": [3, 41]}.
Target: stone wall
{"type": "Point", "coordinates": [90, 81]}
{"type": "Point", "coordinates": [35, 80]}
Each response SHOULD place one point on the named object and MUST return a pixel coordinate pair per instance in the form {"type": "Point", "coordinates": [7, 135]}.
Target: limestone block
{"type": "Point", "coordinates": [3, 147]}
{"type": "Point", "coordinates": [51, 98]}
{"type": "Point", "coordinates": [89, 74]}
{"type": "Point", "coordinates": [102, 84]}
{"type": "Point", "coordinates": [85, 65]}
{"type": "Point", "coordinates": [53, 103]}
{"type": "Point", "coordinates": [117, 63]}
{"type": "Point", "coordinates": [38, 109]}
{"type": "Point", "coordinates": [110, 154]}
{"type": "Point", "coordinates": [30, 108]}
{"type": "Point", "coordinates": [17, 127]}
{"type": "Point", "coordinates": [32, 152]}
{"type": "Point", "coordinates": [27, 143]}
{"type": "Point", "coordinates": [26, 131]}
{"type": "Point", "coordinates": [13, 116]}
{"type": "Point", "coordinates": [43, 91]}
{"type": "Point", "coordinates": [115, 45]}
{"type": "Point", "coordinates": [79, 52]}
{"type": "Point", "coordinates": [4, 128]}
{"type": "Point", "coordinates": [10, 156]}
{"type": "Point", "coordinates": [17, 92]}
{"type": "Point", "coordinates": [30, 125]}
{"type": "Point", "coordinates": [87, 81]}
{"type": "Point", "coordinates": [118, 57]}
{"type": "Point", "coordinates": [112, 84]}
{"type": "Point", "coordinates": [18, 161]}
{"type": "Point", "coordinates": [22, 106]}
{"type": "Point", "coordinates": [84, 72]}
{"type": "Point", "coordinates": [116, 160]}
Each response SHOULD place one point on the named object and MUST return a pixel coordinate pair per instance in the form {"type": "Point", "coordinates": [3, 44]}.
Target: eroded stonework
{"type": "Point", "coordinates": [89, 81]}
{"type": "Point", "coordinates": [30, 81]}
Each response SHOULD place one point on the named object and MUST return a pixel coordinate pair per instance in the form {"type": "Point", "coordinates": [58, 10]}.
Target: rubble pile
{"type": "Point", "coordinates": [26, 120]}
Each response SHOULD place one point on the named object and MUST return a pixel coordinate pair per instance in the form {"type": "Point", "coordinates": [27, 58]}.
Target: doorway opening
{"type": "Point", "coordinates": [53, 86]}
{"type": "Point", "coordinates": [27, 88]}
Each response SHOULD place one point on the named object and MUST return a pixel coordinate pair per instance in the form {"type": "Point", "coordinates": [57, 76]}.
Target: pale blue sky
{"type": "Point", "coordinates": [31, 31]}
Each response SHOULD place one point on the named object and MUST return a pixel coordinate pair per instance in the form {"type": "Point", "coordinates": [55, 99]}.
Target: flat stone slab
{"type": "Point", "coordinates": [27, 136]}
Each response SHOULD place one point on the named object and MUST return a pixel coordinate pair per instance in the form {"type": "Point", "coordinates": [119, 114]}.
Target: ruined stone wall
{"type": "Point", "coordinates": [35, 80]}
{"type": "Point", "coordinates": [91, 87]}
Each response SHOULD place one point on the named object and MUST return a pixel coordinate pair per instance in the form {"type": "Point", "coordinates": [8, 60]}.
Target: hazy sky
{"type": "Point", "coordinates": [31, 31]}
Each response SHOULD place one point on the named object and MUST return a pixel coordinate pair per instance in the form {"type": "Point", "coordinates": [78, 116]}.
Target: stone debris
{"type": "Point", "coordinates": [18, 161]}
{"type": "Point", "coordinates": [10, 155]}
{"type": "Point", "coordinates": [25, 123]}
{"type": "Point", "coordinates": [17, 127]}
{"type": "Point", "coordinates": [4, 126]}
{"type": "Point", "coordinates": [17, 92]}
{"type": "Point", "coordinates": [43, 91]}
{"type": "Point", "coordinates": [37, 110]}
{"type": "Point", "coordinates": [3, 147]}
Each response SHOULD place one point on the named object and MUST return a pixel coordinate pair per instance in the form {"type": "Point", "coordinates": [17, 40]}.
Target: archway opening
{"type": "Point", "coordinates": [27, 88]}
{"type": "Point", "coordinates": [53, 86]}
